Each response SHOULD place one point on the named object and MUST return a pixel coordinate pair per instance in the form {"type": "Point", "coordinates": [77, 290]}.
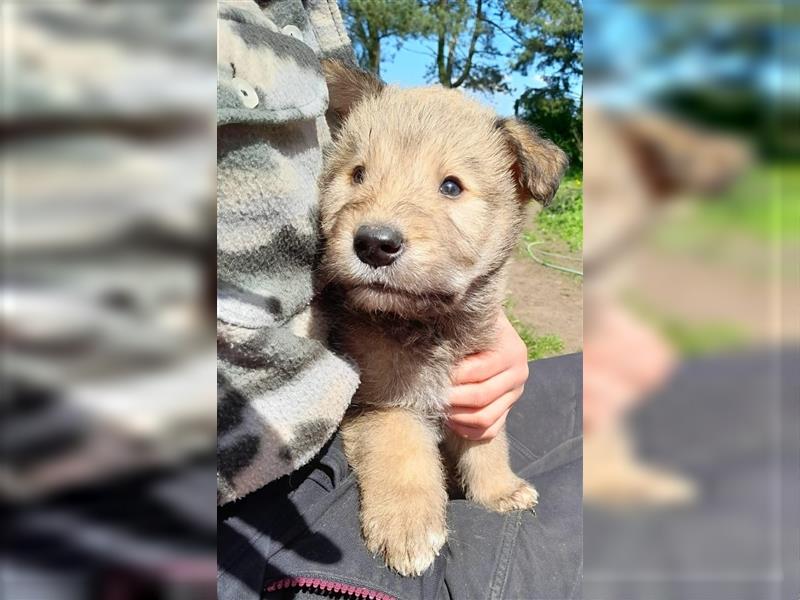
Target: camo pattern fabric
{"type": "Point", "coordinates": [107, 164]}
{"type": "Point", "coordinates": [281, 392]}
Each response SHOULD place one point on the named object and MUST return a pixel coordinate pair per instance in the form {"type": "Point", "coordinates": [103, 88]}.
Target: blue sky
{"type": "Point", "coordinates": [407, 68]}
{"type": "Point", "coordinates": [622, 37]}
{"type": "Point", "coordinates": [635, 76]}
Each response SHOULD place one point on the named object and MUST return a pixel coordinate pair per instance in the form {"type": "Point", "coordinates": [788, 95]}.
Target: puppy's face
{"type": "Point", "coordinates": [423, 193]}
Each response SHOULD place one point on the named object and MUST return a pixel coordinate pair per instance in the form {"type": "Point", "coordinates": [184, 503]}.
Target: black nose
{"type": "Point", "coordinates": [377, 246]}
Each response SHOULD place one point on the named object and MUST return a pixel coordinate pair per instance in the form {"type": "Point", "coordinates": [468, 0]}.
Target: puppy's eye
{"type": "Point", "coordinates": [358, 174]}
{"type": "Point", "coordinates": [450, 187]}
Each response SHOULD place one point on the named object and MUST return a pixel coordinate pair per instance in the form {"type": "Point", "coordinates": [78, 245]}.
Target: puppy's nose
{"type": "Point", "coordinates": [377, 246]}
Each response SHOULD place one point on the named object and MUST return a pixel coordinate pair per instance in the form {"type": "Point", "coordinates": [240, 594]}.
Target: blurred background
{"type": "Point", "coordinates": [688, 141]}
{"type": "Point", "coordinates": [692, 241]}
{"type": "Point", "coordinates": [108, 170]}
{"type": "Point", "coordinates": [525, 59]}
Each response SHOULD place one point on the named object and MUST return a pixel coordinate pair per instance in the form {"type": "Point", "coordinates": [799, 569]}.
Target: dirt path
{"type": "Point", "coordinates": [757, 302]}
{"type": "Point", "coordinates": [546, 300]}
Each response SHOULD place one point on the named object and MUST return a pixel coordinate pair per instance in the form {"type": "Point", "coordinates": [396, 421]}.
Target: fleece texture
{"type": "Point", "coordinates": [281, 391]}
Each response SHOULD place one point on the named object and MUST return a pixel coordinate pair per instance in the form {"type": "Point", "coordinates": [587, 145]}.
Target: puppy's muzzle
{"type": "Point", "coordinates": [378, 246]}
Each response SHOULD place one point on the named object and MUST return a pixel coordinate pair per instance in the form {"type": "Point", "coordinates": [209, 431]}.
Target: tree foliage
{"type": "Point", "coordinates": [550, 33]}
{"type": "Point", "coordinates": [465, 51]}
{"type": "Point", "coordinates": [477, 44]}
{"type": "Point", "coordinates": [558, 115]}
{"type": "Point", "coordinates": [372, 22]}
{"type": "Point", "coordinates": [551, 36]}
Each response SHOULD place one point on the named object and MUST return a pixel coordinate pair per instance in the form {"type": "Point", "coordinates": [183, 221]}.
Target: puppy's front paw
{"type": "Point", "coordinates": [408, 535]}
{"type": "Point", "coordinates": [653, 486]}
{"type": "Point", "coordinates": [517, 494]}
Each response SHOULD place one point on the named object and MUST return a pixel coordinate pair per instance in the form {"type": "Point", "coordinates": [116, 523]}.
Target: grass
{"type": "Point", "coordinates": [691, 339]}
{"type": "Point", "coordinates": [765, 204]}
{"type": "Point", "coordinates": [563, 219]}
{"type": "Point", "coordinates": [539, 346]}
{"type": "Point", "coordinates": [698, 340]}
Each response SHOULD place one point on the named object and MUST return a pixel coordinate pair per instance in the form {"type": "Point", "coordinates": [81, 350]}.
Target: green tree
{"type": "Point", "coordinates": [373, 22]}
{"type": "Point", "coordinates": [558, 115]}
{"type": "Point", "coordinates": [465, 53]}
{"type": "Point", "coordinates": [462, 42]}
{"type": "Point", "coordinates": [544, 34]}
{"type": "Point", "coordinates": [550, 35]}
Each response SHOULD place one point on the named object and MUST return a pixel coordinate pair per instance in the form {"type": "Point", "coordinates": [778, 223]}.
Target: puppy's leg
{"type": "Point", "coordinates": [486, 476]}
{"type": "Point", "coordinates": [614, 476]}
{"type": "Point", "coordinates": [397, 462]}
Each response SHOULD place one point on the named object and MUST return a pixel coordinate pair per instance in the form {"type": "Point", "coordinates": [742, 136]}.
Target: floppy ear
{"type": "Point", "coordinates": [348, 85]}
{"type": "Point", "coordinates": [673, 156]}
{"type": "Point", "coordinates": [538, 163]}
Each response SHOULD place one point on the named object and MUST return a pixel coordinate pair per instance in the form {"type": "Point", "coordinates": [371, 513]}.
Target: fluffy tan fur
{"type": "Point", "coordinates": [635, 166]}
{"type": "Point", "coordinates": [407, 323]}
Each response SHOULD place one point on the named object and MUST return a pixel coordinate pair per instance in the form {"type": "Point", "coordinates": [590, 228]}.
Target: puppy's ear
{"type": "Point", "coordinates": [674, 157]}
{"type": "Point", "coordinates": [538, 163]}
{"type": "Point", "coordinates": [347, 85]}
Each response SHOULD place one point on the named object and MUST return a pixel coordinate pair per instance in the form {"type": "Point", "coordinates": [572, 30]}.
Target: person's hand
{"type": "Point", "coordinates": [486, 385]}
{"type": "Point", "coordinates": [623, 361]}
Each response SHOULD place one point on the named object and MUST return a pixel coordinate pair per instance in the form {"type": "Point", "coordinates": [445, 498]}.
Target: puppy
{"type": "Point", "coordinates": [423, 198]}
{"type": "Point", "coordinates": [636, 165]}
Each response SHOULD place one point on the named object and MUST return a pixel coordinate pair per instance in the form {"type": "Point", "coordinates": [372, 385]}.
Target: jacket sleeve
{"type": "Point", "coordinates": [280, 392]}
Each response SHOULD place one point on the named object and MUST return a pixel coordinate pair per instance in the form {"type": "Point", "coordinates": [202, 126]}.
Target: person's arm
{"type": "Point", "coordinates": [281, 394]}
{"type": "Point", "coordinates": [624, 360]}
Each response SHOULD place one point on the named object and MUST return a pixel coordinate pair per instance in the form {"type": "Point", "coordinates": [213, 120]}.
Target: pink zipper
{"type": "Point", "coordinates": [326, 585]}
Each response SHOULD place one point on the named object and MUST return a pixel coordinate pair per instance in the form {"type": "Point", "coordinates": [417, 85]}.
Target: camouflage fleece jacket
{"type": "Point", "coordinates": [281, 391]}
